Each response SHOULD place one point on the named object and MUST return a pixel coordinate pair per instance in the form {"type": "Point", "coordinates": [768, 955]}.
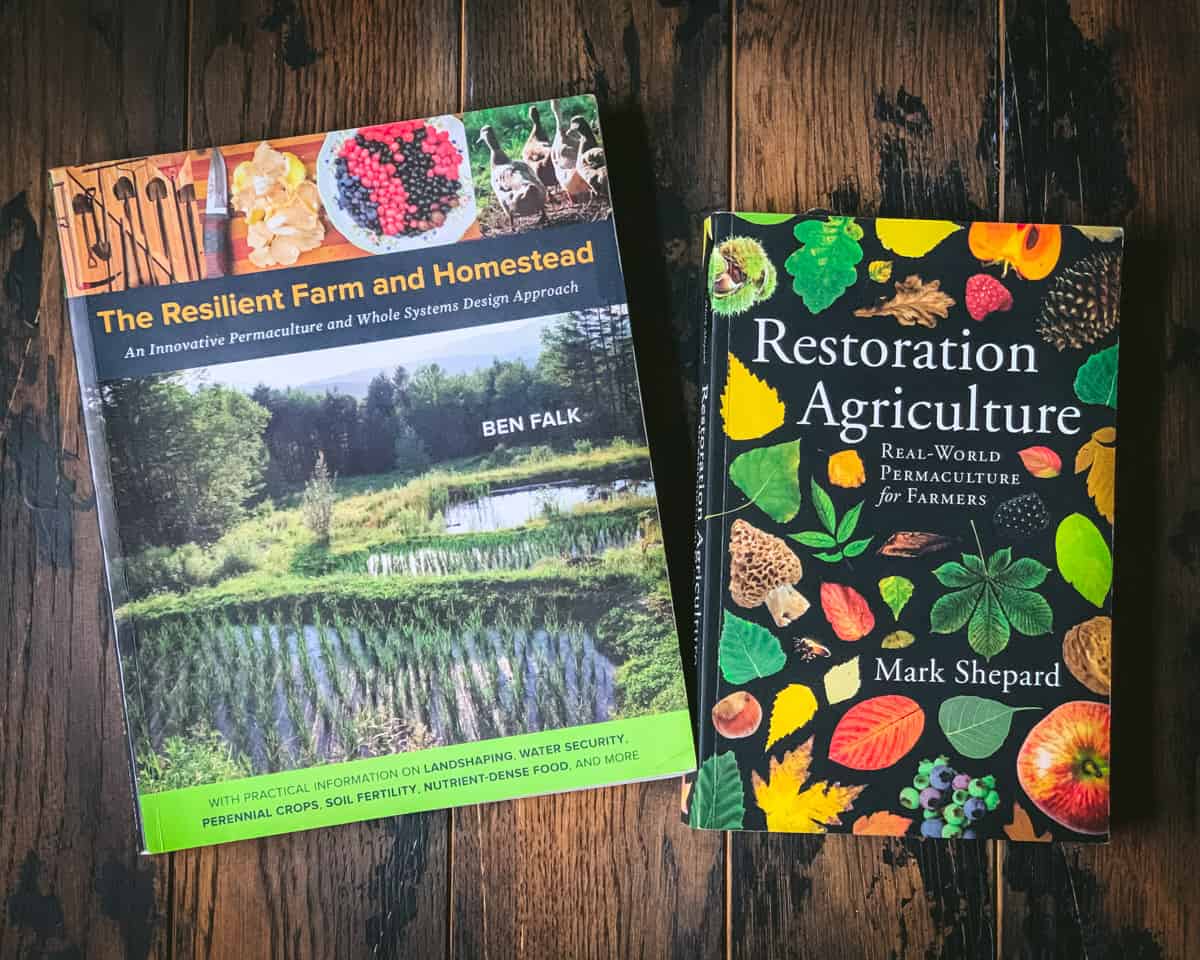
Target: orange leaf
{"type": "Point", "coordinates": [1041, 462]}
{"type": "Point", "coordinates": [1022, 827]}
{"type": "Point", "coordinates": [847, 611]}
{"type": "Point", "coordinates": [876, 733]}
{"type": "Point", "coordinates": [883, 823]}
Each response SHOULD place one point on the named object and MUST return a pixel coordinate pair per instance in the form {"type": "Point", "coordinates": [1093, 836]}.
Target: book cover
{"type": "Point", "coordinates": [905, 528]}
{"type": "Point", "coordinates": [374, 493]}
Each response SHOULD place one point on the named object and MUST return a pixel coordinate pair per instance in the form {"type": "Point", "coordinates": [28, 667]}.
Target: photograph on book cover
{"type": "Point", "coordinates": [908, 457]}
{"type": "Point", "coordinates": [376, 502]}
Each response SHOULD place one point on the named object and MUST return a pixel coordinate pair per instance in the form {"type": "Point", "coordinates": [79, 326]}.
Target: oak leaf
{"type": "Point", "coordinates": [793, 807]}
{"type": "Point", "coordinates": [1099, 458]}
{"type": "Point", "coordinates": [1022, 827]}
{"type": "Point", "coordinates": [750, 407]}
{"type": "Point", "coordinates": [882, 823]}
{"type": "Point", "coordinates": [915, 303]}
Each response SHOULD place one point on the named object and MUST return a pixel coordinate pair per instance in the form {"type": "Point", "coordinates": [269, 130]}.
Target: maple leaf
{"type": "Point", "coordinates": [915, 303]}
{"type": "Point", "coordinates": [1099, 458]}
{"type": "Point", "coordinates": [750, 407]}
{"type": "Point", "coordinates": [792, 807]}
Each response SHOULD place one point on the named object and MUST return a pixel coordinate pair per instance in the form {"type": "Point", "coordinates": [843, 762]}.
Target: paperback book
{"type": "Point", "coordinates": [905, 527]}
{"type": "Point", "coordinates": [372, 478]}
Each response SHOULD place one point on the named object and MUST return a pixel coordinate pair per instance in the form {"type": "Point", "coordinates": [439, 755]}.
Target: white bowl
{"type": "Point", "coordinates": [457, 220]}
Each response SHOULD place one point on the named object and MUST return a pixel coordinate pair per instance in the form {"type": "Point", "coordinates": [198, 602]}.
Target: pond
{"type": "Point", "coordinates": [505, 509]}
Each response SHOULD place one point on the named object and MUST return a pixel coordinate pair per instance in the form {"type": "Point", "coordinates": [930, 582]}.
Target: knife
{"type": "Point", "coordinates": [217, 249]}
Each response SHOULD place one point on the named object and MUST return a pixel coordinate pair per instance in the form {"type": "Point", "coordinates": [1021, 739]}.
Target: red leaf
{"type": "Point", "coordinates": [876, 733]}
{"type": "Point", "coordinates": [1041, 462]}
{"type": "Point", "coordinates": [847, 611]}
{"type": "Point", "coordinates": [881, 824]}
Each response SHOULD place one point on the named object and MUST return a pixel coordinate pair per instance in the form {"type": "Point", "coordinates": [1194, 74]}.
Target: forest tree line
{"type": "Point", "coordinates": [187, 464]}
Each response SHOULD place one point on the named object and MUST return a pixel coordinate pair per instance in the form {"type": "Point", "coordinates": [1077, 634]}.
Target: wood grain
{"type": "Point", "coordinates": [1103, 114]}
{"type": "Point", "coordinates": [643, 884]}
{"type": "Point", "coordinates": [880, 113]}
{"type": "Point", "coordinates": [71, 882]}
{"type": "Point", "coordinates": [262, 69]}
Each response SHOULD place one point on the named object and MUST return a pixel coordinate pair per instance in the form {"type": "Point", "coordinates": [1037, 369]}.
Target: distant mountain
{"type": "Point", "coordinates": [355, 382]}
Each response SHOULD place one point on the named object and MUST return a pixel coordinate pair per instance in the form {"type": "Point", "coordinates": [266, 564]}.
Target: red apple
{"type": "Point", "coordinates": [737, 715]}
{"type": "Point", "coordinates": [1063, 766]}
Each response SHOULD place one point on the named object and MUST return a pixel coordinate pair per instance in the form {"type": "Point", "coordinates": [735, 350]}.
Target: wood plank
{"type": "Point", "coordinates": [71, 881]}
{"type": "Point", "coordinates": [870, 109]}
{"type": "Point", "coordinates": [1103, 117]}
{"type": "Point", "coordinates": [628, 878]}
{"type": "Point", "coordinates": [265, 69]}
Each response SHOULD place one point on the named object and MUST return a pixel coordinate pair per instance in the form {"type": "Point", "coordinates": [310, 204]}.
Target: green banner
{"type": "Point", "coordinates": [551, 761]}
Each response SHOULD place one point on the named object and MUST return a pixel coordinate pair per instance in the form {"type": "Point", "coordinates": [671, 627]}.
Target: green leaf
{"type": "Point", "coordinates": [824, 506]}
{"type": "Point", "coordinates": [988, 630]}
{"type": "Point", "coordinates": [1096, 381]}
{"type": "Point", "coordinates": [999, 561]}
{"type": "Point", "coordinates": [1026, 573]}
{"type": "Point", "coordinates": [748, 651]}
{"type": "Point", "coordinates": [718, 798]}
{"type": "Point", "coordinates": [829, 557]}
{"type": "Point", "coordinates": [1028, 612]}
{"type": "Point", "coordinates": [849, 522]}
{"type": "Point", "coordinates": [1084, 558]}
{"type": "Point", "coordinates": [766, 219]}
{"type": "Point", "coordinates": [976, 726]}
{"type": "Point", "coordinates": [824, 266]}
{"type": "Point", "coordinates": [896, 592]}
{"type": "Point", "coordinates": [954, 574]}
{"type": "Point", "coordinates": [855, 547]}
{"type": "Point", "coordinates": [814, 538]}
{"type": "Point", "coordinates": [768, 476]}
{"type": "Point", "coordinates": [974, 564]}
{"type": "Point", "coordinates": [951, 611]}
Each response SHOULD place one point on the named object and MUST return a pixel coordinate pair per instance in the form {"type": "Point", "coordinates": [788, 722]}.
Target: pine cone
{"type": "Point", "coordinates": [1083, 305]}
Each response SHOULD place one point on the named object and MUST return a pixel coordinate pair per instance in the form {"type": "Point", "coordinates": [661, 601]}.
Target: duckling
{"type": "Point", "coordinates": [591, 164]}
{"type": "Point", "coordinates": [564, 151]}
{"type": "Point", "coordinates": [536, 151]}
{"type": "Point", "coordinates": [514, 183]}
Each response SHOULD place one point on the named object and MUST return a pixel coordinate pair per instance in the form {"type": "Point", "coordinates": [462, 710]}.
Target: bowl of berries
{"type": "Point", "coordinates": [398, 186]}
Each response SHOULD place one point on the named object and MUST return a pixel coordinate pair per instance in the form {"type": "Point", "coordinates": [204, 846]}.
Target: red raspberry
{"type": "Point", "coordinates": [985, 294]}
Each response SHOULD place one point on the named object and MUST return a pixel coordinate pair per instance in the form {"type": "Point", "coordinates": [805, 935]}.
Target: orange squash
{"type": "Point", "coordinates": [1031, 249]}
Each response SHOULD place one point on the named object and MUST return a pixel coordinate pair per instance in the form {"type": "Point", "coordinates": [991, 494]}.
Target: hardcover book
{"type": "Point", "coordinates": [374, 492]}
{"type": "Point", "coordinates": [905, 527]}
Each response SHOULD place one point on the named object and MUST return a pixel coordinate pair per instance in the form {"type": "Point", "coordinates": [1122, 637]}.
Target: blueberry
{"type": "Point", "coordinates": [954, 814]}
{"type": "Point", "coordinates": [977, 788]}
{"type": "Point", "coordinates": [921, 781]}
{"type": "Point", "coordinates": [931, 814]}
{"type": "Point", "coordinates": [992, 800]}
{"type": "Point", "coordinates": [961, 781]}
{"type": "Point", "coordinates": [931, 797]}
{"type": "Point", "coordinates": [941, 777]}
{"type": "Point", "coordinates": [975, 808]}
{"type": "Point", "coordinates": [969, 834]}
{"type": "Point", "coordinates": [959, 796]}
{"type": "Point", "coordinates": [951, 830]}
{"type": "Point", "coordinates": [909, 798]}
{"type": "Point", "coordinates": [932, 828]}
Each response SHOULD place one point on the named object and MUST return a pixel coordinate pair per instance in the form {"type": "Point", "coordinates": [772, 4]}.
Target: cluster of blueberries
{"type": "Point", "coordinates": [951, 802]}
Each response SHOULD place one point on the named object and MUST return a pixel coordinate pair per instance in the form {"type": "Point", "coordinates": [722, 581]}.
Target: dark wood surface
{"type": "Point", "coordinates": [1015, 109]}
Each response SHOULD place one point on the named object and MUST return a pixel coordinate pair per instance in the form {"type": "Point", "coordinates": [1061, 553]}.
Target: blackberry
{"type": "Point", "coordinates": [1022, 516]}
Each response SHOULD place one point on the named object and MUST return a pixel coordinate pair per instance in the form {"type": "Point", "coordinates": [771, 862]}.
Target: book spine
{"type": "Point", "coordinates": [706, 588]}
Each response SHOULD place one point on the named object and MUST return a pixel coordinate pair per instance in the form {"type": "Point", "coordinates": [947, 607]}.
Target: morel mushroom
{"type": "Point", "coordinates": [763, 569]}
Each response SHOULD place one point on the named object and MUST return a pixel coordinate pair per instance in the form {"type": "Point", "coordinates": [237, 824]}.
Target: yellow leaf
{"type": "Point", "coordinates": [1099, 457]}
{"type": "Point", "coordinates": [749, 406]}
{"type": "Point", "coordinates": [794, 706]}
{"type": "Point", "coordinates": [789, 805]}
{"type": "Point", "coordinates": [880, 270]}
{"type": "Point", "coordinates": [846, 469]}
{"type": "Point", "coordinates": [843, 681]}
{"type": "Point", "coordinates": [913, 238]}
